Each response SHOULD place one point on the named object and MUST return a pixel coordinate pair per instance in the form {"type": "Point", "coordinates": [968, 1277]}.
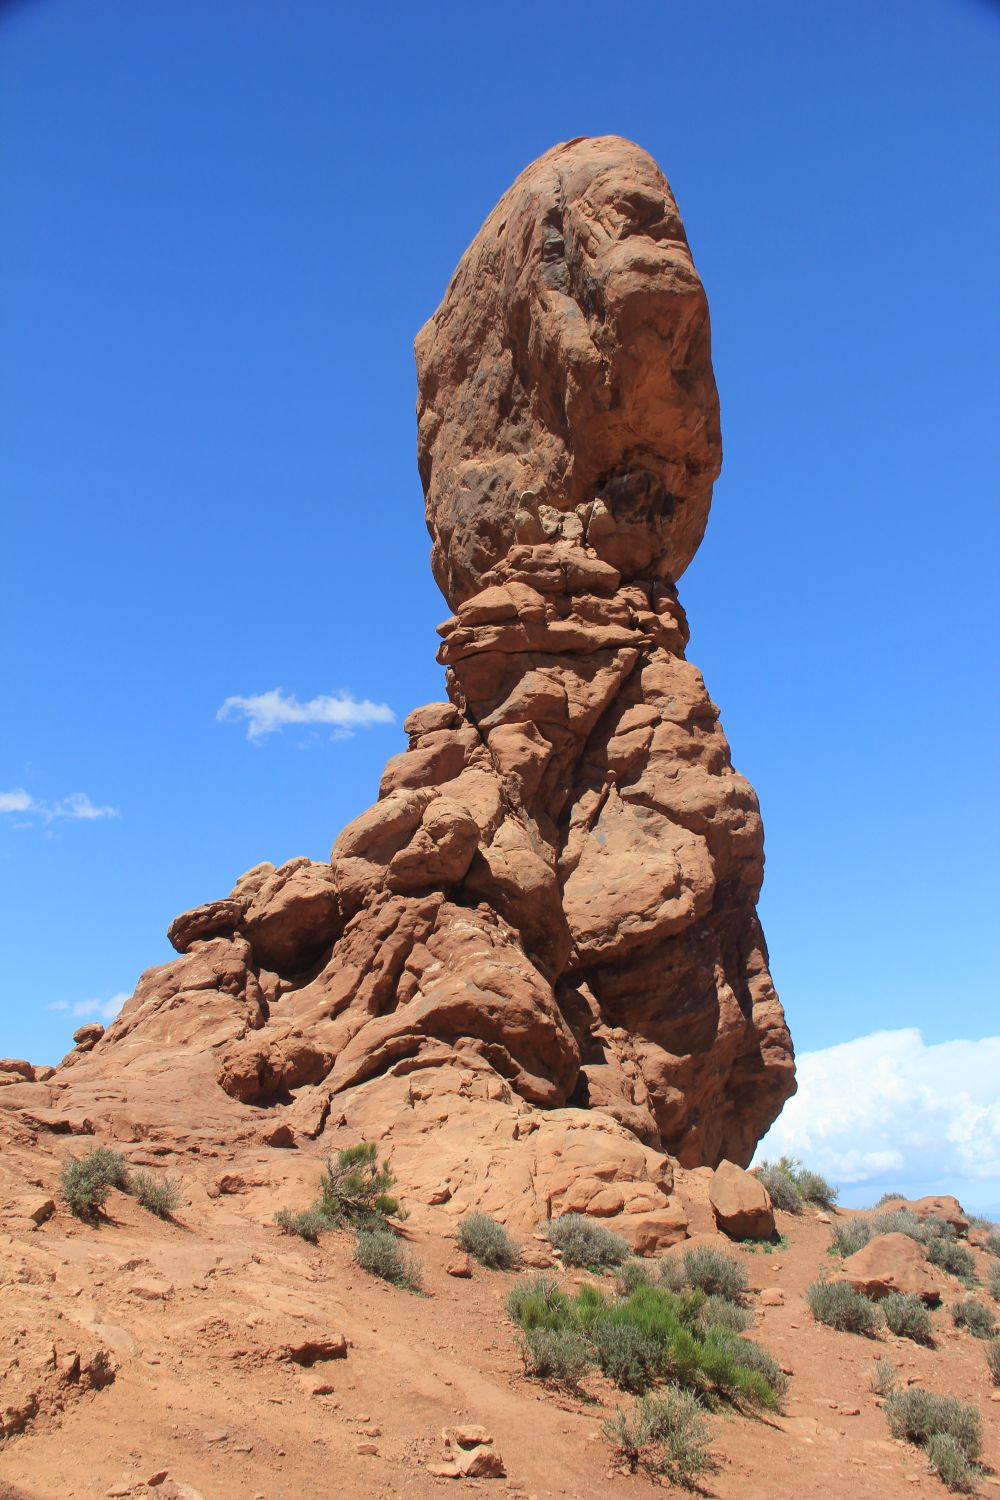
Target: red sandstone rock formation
{"type": "Point", "coordinates": [549, 913]}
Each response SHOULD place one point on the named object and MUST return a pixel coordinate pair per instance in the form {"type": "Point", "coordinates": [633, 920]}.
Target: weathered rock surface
{"type": "Point", "coordinates": [741, 1203]}
{"type": "Point", "coordinates": [547, 921]}
{"type": "Point", "coordinates": [893, 1263]}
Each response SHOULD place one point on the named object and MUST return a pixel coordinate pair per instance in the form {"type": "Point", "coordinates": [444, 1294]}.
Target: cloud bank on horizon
{"type": "Point", "coordinates": [75, 805]}
{"type": "Point", "coordinates": [267, 712]}
{"type": "Point", "coordinates": [890, 1112]}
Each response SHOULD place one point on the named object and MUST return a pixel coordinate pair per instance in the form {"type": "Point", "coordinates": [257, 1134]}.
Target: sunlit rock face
{"type": "Point", "coordinates": [549, 913]}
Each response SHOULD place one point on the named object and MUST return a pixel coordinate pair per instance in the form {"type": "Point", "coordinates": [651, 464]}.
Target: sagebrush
{"type": "Point", "coordinates": [665, 1434]}
{"type": "Point", "coordinates": [584, 1243]}
{"type": "Point", "coordinates": [839, 1306]}
{"type": "Point", "coordinates": [487, 1241]}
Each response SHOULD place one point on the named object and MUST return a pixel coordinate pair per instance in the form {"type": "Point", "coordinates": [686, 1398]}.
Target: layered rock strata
{"type": "Point", "coordinates": [551, 907]}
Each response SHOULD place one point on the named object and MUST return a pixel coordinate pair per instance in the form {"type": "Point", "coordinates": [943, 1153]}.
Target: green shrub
{"type": "Point", "coordinates": [993, 1244]}
{"type": "Point", "coordinates": [628, 1356]}
{"type": "Point", "coordinates": [917, 1415]}
{"type": "Point", "coordinates": [666, 1434]}
{"type": "Point", "coordinates": [907, 1317]}
{"type": "Point", "coordinates": [379, 1252]}
{"type": "Point", "coordinates": [539, 1302]}
{"type": "Point", "coordinates": [890, 1198]}
{"type": "Point", "coordinates": [585, 1243]}
{"type": "Point", "coordinates": [634, 1273]}
{"type": "Point", "coordinates": [721, 1313]}
{"type": "Point", "coordinates": [955, 1259]}
{"type": "Point", "coordinates": [993, 1359]}
{"type": "Point", "coordinates": [993, 1280]}
{"type": "Point", "coordinates": [975, 1317]}
{"type": "Point", "coordinates": [559, 1355]}
{"type": "Point", "coordinates": [839, 1306]}
{"type": "Point", "coordinates": [883, 1377]}
{"type": "Point", "coordinates": [308, 1224]}
{"type": "Point", "coordinates": [157, 1195]}
{"type": "Point", "coordinates": [855, 1233]}
{"type": "Point", "coordinates": [643, 1337]}
{"type": "Point", "coordinates": [110, 1166]}
{"type": "Point", "coordinates": [715, 1274]}
{"type": "Point", "coordinates": [815, 1189]}
{"type": "Point", "coordinates": [753, 1357]}
{"type": "Point", "coordinates": [945, 1456]}
{"type": "Point", "coordinates": [488, 1242]}
{"type": "Point", "coordinates": [779, 1179]}
{"type": "Point", "coordinates": [355, 1189]}
{"type": "Point", "coordinates": [85, 1181]}
{"type": "Point", "coordinates": [851, 1236]}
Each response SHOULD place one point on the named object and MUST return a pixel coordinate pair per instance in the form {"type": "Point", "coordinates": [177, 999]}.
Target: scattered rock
{"type": "Point", "coordinates": [312, 1351]}
{"type": "Point", "coordinates": [772, 1296]}
{"type": "Point", "coordinates": [460, 1266]}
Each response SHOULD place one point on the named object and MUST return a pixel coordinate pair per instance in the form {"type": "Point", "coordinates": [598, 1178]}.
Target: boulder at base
{"type": "Point", "coordinates": [741, 1203]}
{"type": "Point", "coordinates": [893, 1263]}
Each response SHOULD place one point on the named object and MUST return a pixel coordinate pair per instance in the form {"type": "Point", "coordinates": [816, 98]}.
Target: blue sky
{"type": "Point", "coordinates": [224, 224]}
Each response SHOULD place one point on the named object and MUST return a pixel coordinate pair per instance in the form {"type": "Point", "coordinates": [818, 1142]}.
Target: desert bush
{"type": "Point", "coordinates": [628, 1356]}
{"type": "Point", "coordinates": [307, 1224]}
{"type": "Point", "coordinates": [355, 1189]}
{"type": "Point", "coordinates": [111, 1167]}
{"type": "Point", "coordinates": [539, 1302]}
{"type": "Point", "coordinates": [85, 1181]}
{"type": "Point", "coordinates": [839, 1306]}
{"type": "Point", "coordinates": [379, 1252]}
{"type": "Point", "coordinates": [748, 1355]}
{"type": "Point", "coordinates": [488, 1242]}
{"type": "Point", "coordinates": [890, 1198]}
{"type": "Point", "coordinates": [633, 1274]}
{"type": "Point", "coordinates": [157, 1195]}
{"type": "Point", "coordinates": [993, 1280]}
{"type": "Point", "coordinates": [715, 1274]}
{"type": "Point", "coordinates": [975, 1317]}
{"type": "Point", "coordinates": [559, 1355]}
{"type": "Point", "coordinates": [945, 1456]}
{"type": "Point", "coordinates": [955, 1259]}
{"type": "Point", "coordinates": [815, 1189]}
{"type": "Point", "coordinates": [850, 1236]}
{"type": "Point", "coordinates": [993, 1243]}
{"type": "Point", "coordinates": [585, 1243]}
{"type": "Point", "coordinates": [907, 1317]}
{"type": "Point", "coordinates": [882, 1377]}
{"type": "Point", "coordinates": [666, 1434]}
{"type": "Point", "coordinates": [855, 1233]}
{"type": "Point", "coordinates": [917, 1415]}
{"type": "Point", "coordinates": [779, 1179]}
{"type": "Point", "coordinates": [671, 1274]}
{"type": "Point", "coordinates": [721, 1313]}
{"type": "Point", "coordinates": [993, 1359]}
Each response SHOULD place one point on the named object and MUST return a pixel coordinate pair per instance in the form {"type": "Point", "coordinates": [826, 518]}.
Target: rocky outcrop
{"type": "Point", "coordinates": [554, 894]}
{"type": "Point", "coordinates": [893, 1263]}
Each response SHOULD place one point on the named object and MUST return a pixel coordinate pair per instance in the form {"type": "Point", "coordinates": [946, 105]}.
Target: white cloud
{"type": "Point", "coordinates": [890, 1112]}
{"type": "Point", "coordinates": [267, 712]}
{"type": "Point", "coordinates": [91, 1010]}
{"type": "Point", "coordinates": [75, 805]}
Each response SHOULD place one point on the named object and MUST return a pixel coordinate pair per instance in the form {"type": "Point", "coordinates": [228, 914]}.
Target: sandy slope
{"type": "Point", "coordinates": [199, 1313]}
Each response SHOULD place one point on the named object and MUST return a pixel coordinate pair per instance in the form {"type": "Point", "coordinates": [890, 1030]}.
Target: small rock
{"type": "Point", "coordinates": [372, 1431]}
{"type": "Point", "coordinates": [466, 1437]}
{"type": "Point", "coordinates": [439, 1195]}
{"type": "Point", "coordinates": [480, 1463]}
{"type": "Point", "coordinates": [444, 1471]}
{"type": "Point", "coordinates": [850, 1411]}
{"type": "Point", "coordinates": [368, 1448]}
{"type": "Point", "coordinates": [321, 1388]}
{"type": "Point", "coordinates": [772, 1296]}
{"type": "Point", "coordinates": [312, 1351]}
{"type": "Point", "coordinates": [823, 1219]}
{"type": "Point", "coordinates": [216, 1435]}
{"type": "Point", "coordinates": [278, 1135]}
{"type": "Point", "coordinates": [119, 1489]}
{"type": "Point", "coordinates": [460, 1266]}
{"type": "Point", "coordinates": [158, 1478]}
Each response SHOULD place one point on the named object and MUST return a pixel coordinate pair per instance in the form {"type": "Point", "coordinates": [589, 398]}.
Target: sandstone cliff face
{"type": "Point", "coordinates": [551, 906]}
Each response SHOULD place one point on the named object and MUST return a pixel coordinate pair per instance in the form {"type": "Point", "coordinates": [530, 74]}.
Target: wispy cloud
{"type": "Point", "coordinates": [91, 1010]}
{"type": "Point", "coordinates": [75, 805]}
{"type": "Point", "coordinates": [890, 1112]}
{"type": "Point", "coordinates": [267, 712]}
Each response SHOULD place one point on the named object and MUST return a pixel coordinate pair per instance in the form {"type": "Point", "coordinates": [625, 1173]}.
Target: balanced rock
{"type": "Point", "coordinates": [741, 1203]}
{"type": "Point", "coordinates": [548, 918]}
